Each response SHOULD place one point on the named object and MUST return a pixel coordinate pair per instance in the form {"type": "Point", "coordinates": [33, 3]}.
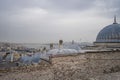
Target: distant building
{"type": "Point", "coordinates": [109, 36]}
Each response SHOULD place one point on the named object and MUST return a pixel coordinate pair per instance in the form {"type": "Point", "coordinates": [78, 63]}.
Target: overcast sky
{"type": "Point", "coordinates": [45, 21]}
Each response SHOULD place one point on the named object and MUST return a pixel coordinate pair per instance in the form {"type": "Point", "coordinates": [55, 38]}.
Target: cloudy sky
{"type": "Point", "coordinates": [44, 21]}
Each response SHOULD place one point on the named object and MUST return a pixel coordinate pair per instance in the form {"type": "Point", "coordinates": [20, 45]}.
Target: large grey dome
{"type": "Point", "coordinates": [110, 33]}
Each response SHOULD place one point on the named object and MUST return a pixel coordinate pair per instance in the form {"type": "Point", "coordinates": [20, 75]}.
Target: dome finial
{"type": "Point", "coordinates": [115, 20]}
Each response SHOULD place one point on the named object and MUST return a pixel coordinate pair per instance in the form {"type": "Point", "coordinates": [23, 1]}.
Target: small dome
{"type": "Point", "coordinates": [110, 33]}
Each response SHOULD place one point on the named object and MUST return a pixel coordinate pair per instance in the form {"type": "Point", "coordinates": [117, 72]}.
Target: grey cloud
{"type": "Point", "coordinates": [57, 4]}
{"type": "Point", "coordinates": [73, 4]}
{"type": "Point", "coordinates": [47, 4]}
{"type": "Point", "coordinates": [108, 8]}
{"type": "Point", "coordinates": [14, 25]}
{"type": "Point", "coordinates": [60, 5]}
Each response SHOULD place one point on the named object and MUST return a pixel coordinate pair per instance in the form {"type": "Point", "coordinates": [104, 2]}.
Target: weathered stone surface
{"type": "Point", "coordinates": [88, 66]}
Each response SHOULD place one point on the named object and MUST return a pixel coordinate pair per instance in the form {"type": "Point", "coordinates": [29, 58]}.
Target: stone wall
{"type": "Point", "coordinates": [85, 65]}
{"type": "Point", "coordinates": [82, 66]}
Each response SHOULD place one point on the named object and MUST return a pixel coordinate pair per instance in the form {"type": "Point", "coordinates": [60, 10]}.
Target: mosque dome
{"type": "Point", "coordinates": [109, 34]}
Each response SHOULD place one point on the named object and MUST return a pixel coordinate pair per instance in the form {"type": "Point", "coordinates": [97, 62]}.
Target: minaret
{"type": "Point", "coordinates": [115, 20]}
{"type": "Point", "coordinates": [60, 44]}
{"type": "Point", "coordinates": [12, 57]}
